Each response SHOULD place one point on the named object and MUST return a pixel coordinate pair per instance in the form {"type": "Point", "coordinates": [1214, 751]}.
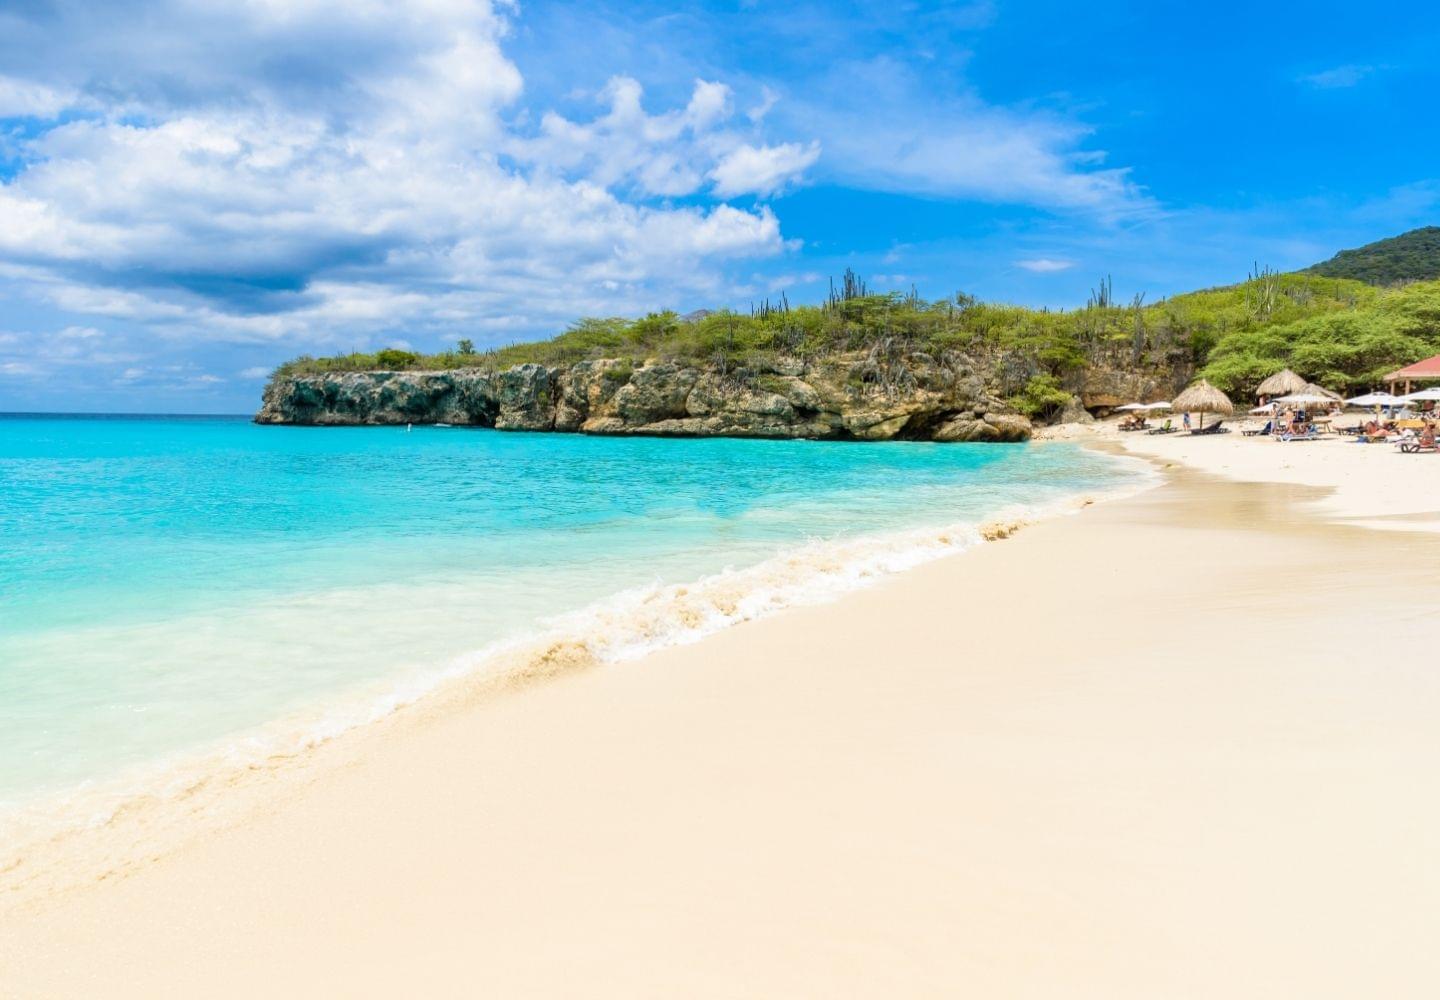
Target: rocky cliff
{"type": "Point", "coordinates": [915, 397]}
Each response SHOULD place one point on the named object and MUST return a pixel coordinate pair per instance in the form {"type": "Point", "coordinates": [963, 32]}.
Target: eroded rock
{"type": "Point", "coordinates": [851, 397]}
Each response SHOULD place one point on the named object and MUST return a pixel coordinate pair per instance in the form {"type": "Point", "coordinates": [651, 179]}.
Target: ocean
{"type": "Point", "coordinates": [173, 586]}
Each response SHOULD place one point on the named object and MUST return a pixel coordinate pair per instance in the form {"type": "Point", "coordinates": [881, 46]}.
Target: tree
{"type": "Point", "coordinates": [467, 347]}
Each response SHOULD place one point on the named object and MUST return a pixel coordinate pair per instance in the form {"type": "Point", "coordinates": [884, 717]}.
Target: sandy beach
{"type": "Point", "coordinates": [1369, 484]}
{"type": "Point", "coordinates": [1178, 745]}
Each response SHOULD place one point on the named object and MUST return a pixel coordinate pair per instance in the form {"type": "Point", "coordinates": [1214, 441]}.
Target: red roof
{"type": "Point", "coordinates": [1429, 368]}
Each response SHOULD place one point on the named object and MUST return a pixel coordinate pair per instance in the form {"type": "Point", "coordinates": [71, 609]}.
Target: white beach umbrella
{"type": "Point", "coordinates": [1375, 399]}
{"type": "Point", "coordinates": [1304, 397]}
{"type": "Point", "coordinates": [1421, 396]}
{"type": "Point", "coordinates": [1162, 405]}
{"type": "Point", "coordinates": [1133, 406]}
{"type": "Point", "coordinates": [1266, 409]}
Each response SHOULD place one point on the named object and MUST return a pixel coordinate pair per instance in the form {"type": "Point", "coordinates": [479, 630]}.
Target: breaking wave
{"type": "Point", "coordinates": [625, 626]}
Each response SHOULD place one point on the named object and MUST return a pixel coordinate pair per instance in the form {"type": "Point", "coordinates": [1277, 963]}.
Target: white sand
{"type": "Point", "coordinates": [1182, 745]}
{"type": "Point", "coordinates": [1372, 483]}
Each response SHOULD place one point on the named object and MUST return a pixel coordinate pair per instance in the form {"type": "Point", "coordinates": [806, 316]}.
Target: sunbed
{"type": "Point", "coordinates": [1218, 427]}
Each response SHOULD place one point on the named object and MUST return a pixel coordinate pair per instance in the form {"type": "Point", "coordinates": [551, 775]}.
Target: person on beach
{"type": "Point", "coordinates": [1186, 421]}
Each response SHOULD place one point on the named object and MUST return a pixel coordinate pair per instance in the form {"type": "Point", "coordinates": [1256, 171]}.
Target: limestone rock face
{"type": "Point", "coordinates": [1107, 386]}
{"type": "Point", "coordinates": [527, 395]}
{"type": "Point", "coordinates": [1074, 413]}
{"type": "Point", "coordinates": [858, 397]}
{"type": "Point", "coordinates": [655, 393]}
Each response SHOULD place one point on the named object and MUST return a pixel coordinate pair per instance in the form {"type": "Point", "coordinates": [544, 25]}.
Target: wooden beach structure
{"type": "Point", "coordinates": [1421, 371]}
{"type": "Point", "coordinates": [1203, 398]}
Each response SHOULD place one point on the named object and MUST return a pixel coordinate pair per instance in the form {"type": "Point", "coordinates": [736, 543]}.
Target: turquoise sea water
{"type": "Point", "coordinates": [167, 584]}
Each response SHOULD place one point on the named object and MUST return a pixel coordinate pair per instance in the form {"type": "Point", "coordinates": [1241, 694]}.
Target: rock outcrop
{"type": "Point", "coordinates": [848, 398]}
{"type": "Point", "coordinates": [1105, 386]}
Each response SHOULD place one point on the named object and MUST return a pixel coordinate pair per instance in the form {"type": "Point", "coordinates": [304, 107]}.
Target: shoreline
{"type": "Point", "coordinates": [128, 819]}
{"type": "Point", "coordinates": [1368, 485]}
{"type": "Point", "coordinates": [986, 743]}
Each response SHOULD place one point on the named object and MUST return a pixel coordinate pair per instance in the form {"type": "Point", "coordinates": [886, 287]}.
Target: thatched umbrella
{"type": "Point", "coordinates": [1203, 398]}
{"type": "Point", "coordinates": [1282, 383]}
{"type": "Point", "coordinates": [1320, 390]}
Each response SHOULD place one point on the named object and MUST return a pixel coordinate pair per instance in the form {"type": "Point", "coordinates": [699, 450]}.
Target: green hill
{"type": "Point", "coordinates": [1412, 256]}
{"type": "Point", "coordinates": [1034, 356]}
{"type": "Point", "coordinates": [1340, 332]}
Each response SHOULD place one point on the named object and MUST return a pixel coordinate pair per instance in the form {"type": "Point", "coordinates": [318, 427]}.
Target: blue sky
{"type": "Point", "coordinates": [192, 193]}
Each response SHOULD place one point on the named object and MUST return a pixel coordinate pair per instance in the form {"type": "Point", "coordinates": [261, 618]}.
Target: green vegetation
{"type": "Point", "coordinates": [1041, 397]}
{"type": "Point", "coordinates": [1342, 333]}
{"type": "Point", "coordinates": [1345, 350]}
{"type": "Point", "coordinates": [1412, 256]}
{"type": "Point", "coordinates": [392, 358]}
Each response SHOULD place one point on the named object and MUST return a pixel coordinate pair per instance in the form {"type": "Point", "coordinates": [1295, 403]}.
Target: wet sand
{"type": "Point", "coordinates": [1181, 745]}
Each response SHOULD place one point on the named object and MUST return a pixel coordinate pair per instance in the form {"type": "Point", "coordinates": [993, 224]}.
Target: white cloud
{"type": "Point", "coordinates": [259, 371]}
{"type": "Point", "coordinates": [1045, 265]}
{"type": "Point", "coordinates": [768, 99]}
{"type": "Point", "coordinates": [26, 99]}
{"type": "Point", "coordinates": [184, 377]}
{"type": "Point", "coordinates": [319, 177]}
{"type": "Point", "coordinates": [910, 136]}
{"type": "Point", "coordinates": [762, 170]}
{"type": "Point", "coordinates": [34, 353]}
{"type": "Point", "coordinates": [1338, 77]}
{"type": "Point", "coordinates": [670, 154]}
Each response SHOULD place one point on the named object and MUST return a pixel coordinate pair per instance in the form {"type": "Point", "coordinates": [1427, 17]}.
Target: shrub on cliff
{"type": "Point", "coordinates": [1041, 397]}
{"type": "Point", "coordinates": [1334, 330]}
{"type": "Point", "coordinates": [396, 360]}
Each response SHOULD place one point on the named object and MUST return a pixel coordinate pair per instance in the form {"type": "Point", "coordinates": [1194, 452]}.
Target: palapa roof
{"type": "Point", "coordinates": [1202, 397]}
{"type": "Point", "coordinates": [1320, 390]}
{"type": "Point", "coordinates": [1282, 383]}
{"type": "Point", "coordinates": [1427, 369]}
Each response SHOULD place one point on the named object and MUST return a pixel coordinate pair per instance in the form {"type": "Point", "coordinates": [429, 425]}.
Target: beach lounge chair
{"type": "Point", "coordinates": [1261, 432]}
{"type": "Point", "coordinates": [1218, 427]}
{"type": "Point", "coordinates": [1414, 444]}
{"type": "Point", "coordinates": [1165, 428]}
{"type": "Point", "coordinates": [1289, 436]}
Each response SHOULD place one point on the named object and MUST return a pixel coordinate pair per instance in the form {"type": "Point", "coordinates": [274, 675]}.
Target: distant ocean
{"type": "Point", "coordinates": [173, 586]}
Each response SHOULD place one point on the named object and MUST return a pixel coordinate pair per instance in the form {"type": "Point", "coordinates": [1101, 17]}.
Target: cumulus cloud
{"type": "Point", "coordinates": [259, 170]}
{"type": "Point", "coordinates": [762, 170]}
{"type": "Point", "coordinates": [1045, 265]}
{"type": "Point", "coordinates": [27, 99]}
{"type": "Point", "coordinates": [671, 154]}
